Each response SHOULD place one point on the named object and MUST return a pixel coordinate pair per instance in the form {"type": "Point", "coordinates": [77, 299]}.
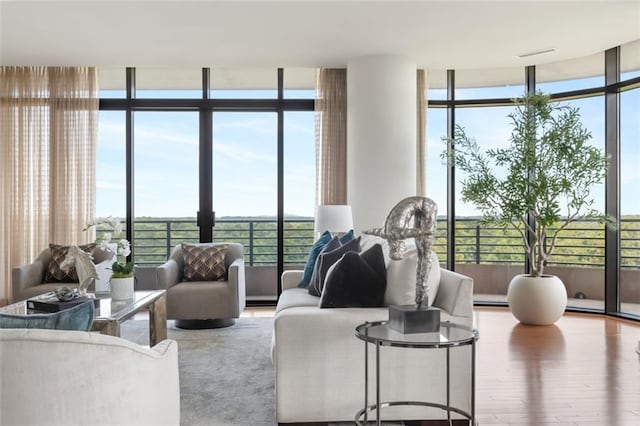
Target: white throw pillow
{"type": "Point", "coordinates": [401, 279]}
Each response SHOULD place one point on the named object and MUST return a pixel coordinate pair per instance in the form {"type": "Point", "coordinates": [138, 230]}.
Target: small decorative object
{"type": "Point", "coordinates": [418, 318]}
{"type": "Point", "coordinates": [85, 268]}
{"type": "Point", "coordinates": [64, 294]}
{"type": "Point", "coordinates": [549, 169]}
{"type": "Point", "coordinates": [122, 248]}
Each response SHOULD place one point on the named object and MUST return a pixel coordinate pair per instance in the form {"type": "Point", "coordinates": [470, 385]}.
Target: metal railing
{"type": "Point", "coordinates": [581, 245]}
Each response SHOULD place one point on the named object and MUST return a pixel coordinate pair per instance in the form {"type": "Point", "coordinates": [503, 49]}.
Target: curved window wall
{"type": "Point", "coordinates": [582, 258]}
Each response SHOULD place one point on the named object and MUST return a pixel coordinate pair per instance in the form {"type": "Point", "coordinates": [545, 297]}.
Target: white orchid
{"type": "Point", "coordinates": [113, 237]}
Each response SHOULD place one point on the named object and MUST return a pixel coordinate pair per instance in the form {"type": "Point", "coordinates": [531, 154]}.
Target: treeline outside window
{"type": "Point", "coordinates": [493, 256]}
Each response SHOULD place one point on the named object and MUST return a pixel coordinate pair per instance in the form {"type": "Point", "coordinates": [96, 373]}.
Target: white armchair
{"type": "Point", "coordinates": [29, 280]}
{"type": "Point", "coordinates": [204, 304]}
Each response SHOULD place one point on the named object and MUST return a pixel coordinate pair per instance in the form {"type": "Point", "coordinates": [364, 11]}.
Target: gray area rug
{"type": "Point", "coordinates": [226, 374]}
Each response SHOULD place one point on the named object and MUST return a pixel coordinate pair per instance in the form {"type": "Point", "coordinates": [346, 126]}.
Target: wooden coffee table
{"type": "Point", "coordinates": [112, 313]}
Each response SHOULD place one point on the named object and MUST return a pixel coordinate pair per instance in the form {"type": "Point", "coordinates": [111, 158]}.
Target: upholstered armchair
{"type": "Point", "coordinates": [61, 377]}
{"type": "Point", "coordinates": [31, 280]}
{"type": "Point", "coordinates": [205, 284]}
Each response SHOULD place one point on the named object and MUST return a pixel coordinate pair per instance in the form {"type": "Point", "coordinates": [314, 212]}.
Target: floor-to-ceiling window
{"type": "Point", "coordinates": [207, 149]}
{"type": "Point", "coordinates": [480, 104]}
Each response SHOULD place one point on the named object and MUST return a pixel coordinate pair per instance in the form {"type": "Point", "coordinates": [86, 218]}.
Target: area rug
{"type": "Point", "coordinates": [226, 374]}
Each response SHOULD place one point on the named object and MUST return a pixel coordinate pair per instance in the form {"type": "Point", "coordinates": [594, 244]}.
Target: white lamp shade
{"type": "Point", "coordinates": [335, 218]}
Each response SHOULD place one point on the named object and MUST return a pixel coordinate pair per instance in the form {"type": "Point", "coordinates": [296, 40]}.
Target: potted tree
{"type": "Point", "coordinates": [538, 185]}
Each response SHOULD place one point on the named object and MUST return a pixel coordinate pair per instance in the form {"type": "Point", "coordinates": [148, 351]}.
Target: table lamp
{"type": "Point", "coordinates": [336, 219]}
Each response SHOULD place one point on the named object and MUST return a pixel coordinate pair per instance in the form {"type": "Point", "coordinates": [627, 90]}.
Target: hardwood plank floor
{"type": "Point", "coordinates": [582, 371]}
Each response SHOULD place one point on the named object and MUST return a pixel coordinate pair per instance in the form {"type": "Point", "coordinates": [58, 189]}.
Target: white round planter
{"type": "Point", "coordinates": [122, 288]}
{"type": "Point", "coordinates": [537, 300]}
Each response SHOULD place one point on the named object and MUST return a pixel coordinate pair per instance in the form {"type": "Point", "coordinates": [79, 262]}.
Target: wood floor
{"type": "Point", "coordinates": [582, 371]}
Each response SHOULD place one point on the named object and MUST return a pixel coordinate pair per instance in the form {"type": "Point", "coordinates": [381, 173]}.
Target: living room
{"type": "Point", "coordinates": [212, 121]}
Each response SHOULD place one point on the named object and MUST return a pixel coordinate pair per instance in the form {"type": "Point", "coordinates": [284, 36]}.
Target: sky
{"type": "Point", "coordinates": [245, 155]}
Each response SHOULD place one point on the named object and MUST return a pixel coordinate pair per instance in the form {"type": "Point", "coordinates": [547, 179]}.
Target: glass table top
{"type": "Point", "coordinates": [450, 334]}
{"type": "Point", "coordinates": [109, 309]}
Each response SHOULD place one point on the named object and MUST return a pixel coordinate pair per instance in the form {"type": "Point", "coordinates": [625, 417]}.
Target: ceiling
{"type": "Point", "coordinates": [306, 33]}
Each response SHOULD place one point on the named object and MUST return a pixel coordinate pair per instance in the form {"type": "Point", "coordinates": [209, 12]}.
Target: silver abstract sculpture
{"type": "Point", "coordinates": [397, 227]}
{"type": "Point", "coordinates": [85, 268]}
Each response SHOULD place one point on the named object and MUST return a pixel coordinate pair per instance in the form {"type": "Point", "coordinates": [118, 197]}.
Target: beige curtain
{"type": "Point", "coordinates": [421, 109]}
{"type": "Point", "coordinates": [331, 137]}
{"type": "Point", "coordinates": [48, 134]}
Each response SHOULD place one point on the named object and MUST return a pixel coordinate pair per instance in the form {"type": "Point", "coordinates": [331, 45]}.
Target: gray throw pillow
{"type": "Point", "coordinates": [324, 262]}
{"type": "Point", "coordinates": [79, 317]}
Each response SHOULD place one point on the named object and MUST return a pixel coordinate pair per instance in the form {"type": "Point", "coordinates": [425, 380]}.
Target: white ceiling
{"type": "Point", "coordinates": [306, 33]}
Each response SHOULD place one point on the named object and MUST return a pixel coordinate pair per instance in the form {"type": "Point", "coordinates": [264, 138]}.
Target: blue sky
{"type": "Point", "coordinates": [244, 164]}
{"type": "Point", "coordinates": [245, 158]}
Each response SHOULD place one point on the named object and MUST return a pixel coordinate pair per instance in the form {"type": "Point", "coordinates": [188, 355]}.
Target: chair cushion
{"type": "Point", "coordinates": [79, 317]}
{"type": "Point", "coordinates": [356, 280]}
{"type": "Point", "coordinates": [204, 262]}
{"type": "Point", "coordinates": [311, 259]}
{"type": "Point", "coordinates": [58, 255]}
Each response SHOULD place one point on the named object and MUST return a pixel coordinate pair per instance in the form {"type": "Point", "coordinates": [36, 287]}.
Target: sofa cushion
{"type": "Point", "coordinates": [79, 317]}
{"type": "Point", "coordinates": [58, 255]}
{"type": "Point", "coordinates": [356, 281]}
{"type": "Point", "coordinates": [401, 279]}
{"type": "Point", "coordinates": [204, 262]}
{"type": "Point", "coordinates": [311, 259]}
{"type": "Point", "coordinates": [324, 262]}
{"type": "Point", "coordinates": [295, 297]}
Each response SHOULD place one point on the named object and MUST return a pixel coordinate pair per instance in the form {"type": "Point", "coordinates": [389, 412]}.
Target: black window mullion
{"type": "Point", "coordinates": [451, 172]}
{"type": "Point", "coordinates": [205, 216]}
{"type": "Point", "coordinates": [612, 181]}
{"type": "Point", "coordinates": [280, 219]}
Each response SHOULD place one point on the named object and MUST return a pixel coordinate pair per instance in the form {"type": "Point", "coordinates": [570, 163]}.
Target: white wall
{"type": "Point", "coordinates": [381, 136]}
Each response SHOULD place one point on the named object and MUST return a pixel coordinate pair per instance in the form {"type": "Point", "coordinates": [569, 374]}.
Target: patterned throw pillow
{"type": "Point", "coordinates": [58, 254]}
{"type": "Point", "coordinates": [204, 262]}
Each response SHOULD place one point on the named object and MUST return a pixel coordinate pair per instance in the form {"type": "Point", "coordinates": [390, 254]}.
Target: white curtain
{"type": "Point", "coordinates": [421, 147]}
{"type": "Point", "coordinates": [48, 134]}
{"type": "Point", "coordinates": [331, 137]}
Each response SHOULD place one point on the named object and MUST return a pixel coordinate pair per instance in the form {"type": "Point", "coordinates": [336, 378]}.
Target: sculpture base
{"type": "Point", "coordinates": [409, 319]}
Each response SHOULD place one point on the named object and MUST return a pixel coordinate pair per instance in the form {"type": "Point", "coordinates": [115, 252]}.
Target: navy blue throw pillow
{"type": "Point", "coordinates": [311, 259]}
{"type": "Point", "coordinates": [79, 317]}
{"type": "Point", "coordinates": [356, 281]}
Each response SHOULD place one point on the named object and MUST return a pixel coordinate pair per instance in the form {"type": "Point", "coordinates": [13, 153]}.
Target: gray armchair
{"type": "Point", "coordinates": [28, 280]}
{"type": "Point", "coordinates": [204, 304]}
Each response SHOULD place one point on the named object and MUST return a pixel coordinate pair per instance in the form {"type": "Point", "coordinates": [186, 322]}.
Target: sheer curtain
{"type": "Point", "coordinates": [331, 136]}
{"type": "Point", "coordinates": [421, 109]}
{"type": "Point", "coordinates": [48, 134]}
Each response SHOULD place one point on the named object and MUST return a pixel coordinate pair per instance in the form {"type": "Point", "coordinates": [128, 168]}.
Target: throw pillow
{"type": "Point", "coordinates": [347, 237]}
{"type": "Point", "coordinates": [204, 262]}
{"type": "Point", "coordinates": [313, 256]}
{"type": "Point", "coordinates": [356, 281]}
{"type": "Point", "coordinates": [58, 254]}
{"type": "Point", "coordinates": [324, 262]}
{"type": "Point", "coordinates": [79, 317]}
{"type": "Point", "coordinates": [401, 279]}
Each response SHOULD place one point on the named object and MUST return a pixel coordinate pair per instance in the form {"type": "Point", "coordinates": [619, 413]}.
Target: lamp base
{"type": "Point", "coordinates": [408, 319]}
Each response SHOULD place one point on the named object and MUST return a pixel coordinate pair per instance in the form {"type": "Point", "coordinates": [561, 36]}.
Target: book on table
{"type": "Point", "coordinates": [52, 304]}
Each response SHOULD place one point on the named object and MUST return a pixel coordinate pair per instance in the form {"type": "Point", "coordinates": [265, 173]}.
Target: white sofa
{"type": "Point", "coordinates": [319, 362]}
{"type": "Point", "coordinates": [54, 377]}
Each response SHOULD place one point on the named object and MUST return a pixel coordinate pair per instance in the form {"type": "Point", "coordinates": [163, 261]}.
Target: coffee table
{"type": "Point", "coordinates": [112, 313]}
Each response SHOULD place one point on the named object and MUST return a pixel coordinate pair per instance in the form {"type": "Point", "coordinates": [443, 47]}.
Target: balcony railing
{"type": "Point", "coordinates": [581, 245]}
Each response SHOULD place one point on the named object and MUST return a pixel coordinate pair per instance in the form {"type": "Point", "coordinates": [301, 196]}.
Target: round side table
{"type": "Point", "coordinates": [450, 335]}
